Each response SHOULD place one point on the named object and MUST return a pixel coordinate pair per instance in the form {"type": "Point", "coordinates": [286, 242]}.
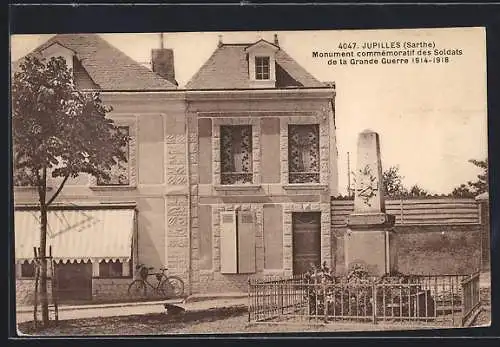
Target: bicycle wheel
{"type": "Point", "coordinates": [172, 287]}
{"type": "Point", "coordinates": [137, 289]}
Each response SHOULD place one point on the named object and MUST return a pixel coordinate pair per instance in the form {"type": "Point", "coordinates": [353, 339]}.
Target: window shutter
{"type": "Point", "coordinates": [246, 242]}
{"type": "Point", "coordinates": [228, 243]}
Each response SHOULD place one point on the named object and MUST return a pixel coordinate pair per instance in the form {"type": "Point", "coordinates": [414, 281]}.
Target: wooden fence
{"type": "Point", "coordinates": [417, 211]}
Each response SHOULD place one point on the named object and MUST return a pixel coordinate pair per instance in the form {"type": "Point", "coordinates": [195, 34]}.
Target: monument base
{"type": "Point", "coordinates": [374, 250]}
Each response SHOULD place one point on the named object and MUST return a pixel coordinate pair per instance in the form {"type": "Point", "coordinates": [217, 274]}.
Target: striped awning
{"type": "Point", "coordinates": [76, 235]}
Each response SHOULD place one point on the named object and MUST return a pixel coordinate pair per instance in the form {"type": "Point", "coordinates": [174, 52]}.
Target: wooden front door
{"type": "Point", "coordinates": [306, 241]}
{"type": "Point", "coordinates": [74, 282]}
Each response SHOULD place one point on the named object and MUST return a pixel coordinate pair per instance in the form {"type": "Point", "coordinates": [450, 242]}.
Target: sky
{"type": "Point", "coordinates": [431, 118]}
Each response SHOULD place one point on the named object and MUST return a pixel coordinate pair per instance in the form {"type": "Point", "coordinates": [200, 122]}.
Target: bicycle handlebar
{"type": "Point", "coordinates": [150, 267]}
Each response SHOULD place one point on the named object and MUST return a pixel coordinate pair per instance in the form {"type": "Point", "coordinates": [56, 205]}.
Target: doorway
{"type": "Point", "coordinates": [74, 282]}
{"type": "Point", "coordinates": [306, 228]}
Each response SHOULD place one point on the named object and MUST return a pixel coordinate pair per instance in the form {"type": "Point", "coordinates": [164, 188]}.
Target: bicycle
{"type": "Point", "coordinates": [168, 286]}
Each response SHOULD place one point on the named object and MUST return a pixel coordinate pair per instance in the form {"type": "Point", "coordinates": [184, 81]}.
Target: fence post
{"type": "Point", "coordinates": [249, 299]}
{"type": "Point", "coordinates": [462, 284]}
{"type": "Point", "coordinates": [325, 302]}
{"type": "Point", "coordinates": [471, 294]}
{"type": "Point", "coordinates": [281, 299]}
{"type": "Point", "coordinates": [37, 275]}
{"type": "Point", "coordinates": [374, 303]}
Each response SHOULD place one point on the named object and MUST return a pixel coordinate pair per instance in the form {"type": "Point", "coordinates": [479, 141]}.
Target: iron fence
{"type": "Point", "coordinates": [423, 298]}
{"type": "Point", "coordinates": [470, 296]}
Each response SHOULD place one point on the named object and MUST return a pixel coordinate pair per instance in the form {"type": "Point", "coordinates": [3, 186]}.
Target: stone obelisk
{"type": "Point", "coordinates": [369, 240]}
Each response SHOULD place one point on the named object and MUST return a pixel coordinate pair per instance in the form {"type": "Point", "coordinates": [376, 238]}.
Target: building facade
{"type": "Point", "coordinates": [263, 165]}
{"type": "Point", "coordinates": [228, 178]}
{"type": "Point", "coordinates": [110, 226]}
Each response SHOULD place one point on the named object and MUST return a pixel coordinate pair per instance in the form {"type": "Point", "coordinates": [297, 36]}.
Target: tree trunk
{"type": "Point", "coordinates": [42, 193]}
{"type": "Point", "coordinates": [44, 302]}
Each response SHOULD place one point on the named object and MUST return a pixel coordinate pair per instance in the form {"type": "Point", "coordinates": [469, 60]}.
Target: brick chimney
{"type": "Point", "coordinates": [162, 62]}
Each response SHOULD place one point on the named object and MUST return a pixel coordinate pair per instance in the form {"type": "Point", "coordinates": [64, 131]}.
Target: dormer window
{"type": "Point", "coordinates": [262, 64]}
{"type": "Point", "coordinates": [262, 69]}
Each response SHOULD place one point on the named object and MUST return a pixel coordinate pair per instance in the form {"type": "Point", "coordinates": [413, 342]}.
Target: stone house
{"type": "Point", "coordinates": [263, 165]}
{"type": "Point", "coordinates": [228, 178]}
{"type": "Point", "coordinates": [99, 229]}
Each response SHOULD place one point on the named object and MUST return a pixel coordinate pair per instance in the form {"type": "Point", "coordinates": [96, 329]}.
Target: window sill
{"type": "Point", "coordinates": [269, 83]}
{"type": "Point", "coordinates": [246, 187]}
{"type": "Point", "coordinates": [111, 188]}
{"type": "Point", "coordinates": [305, 186]}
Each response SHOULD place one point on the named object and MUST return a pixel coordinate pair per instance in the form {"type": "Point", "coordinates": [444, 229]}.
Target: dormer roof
{"type": "Point", "coordinates": [261, 44]}
{"type": "Point", "coordinates": [55, 48]}
{"type": "Point", "coordinates": [227, 68]}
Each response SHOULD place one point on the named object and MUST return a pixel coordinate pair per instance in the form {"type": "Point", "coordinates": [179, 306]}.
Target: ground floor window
{"type": "Point", "coordinates": [28, 269]}
{"type": "Point", "coordinates": [110, 269]}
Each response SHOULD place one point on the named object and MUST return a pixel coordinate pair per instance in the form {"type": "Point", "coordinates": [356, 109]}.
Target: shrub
{"type": "Point", "coordinates": [352, 295]}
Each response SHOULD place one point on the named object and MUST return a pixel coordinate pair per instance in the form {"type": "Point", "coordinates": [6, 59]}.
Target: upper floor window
{"type": "Point", "coordinates": [236, 154]}
{"type": "Point", "coordinates": [303, 153]}
{"type": "Point", "coordinates": [119, 174]}
{"type": "Point", "coordinates": [21, 177]}
{"type": "Point", "coordinates": [262, 68]}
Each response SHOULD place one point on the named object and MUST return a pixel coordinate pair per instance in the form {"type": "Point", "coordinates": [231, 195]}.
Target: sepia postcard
{"type": "Point", "coordinates": [250, 182]}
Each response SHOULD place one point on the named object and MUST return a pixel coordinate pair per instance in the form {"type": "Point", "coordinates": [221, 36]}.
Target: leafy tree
{"type": "Point", "coordinates": [393, 188]}
{"type": "Point", "coordinates": [392, 182]}
{"type": "Point", "coordinates": [462, 191]}
{"type": "Point", "coordinates": [58, 131]}
{"type": "Point", "coordinates": [416, 192]}
{"type": "Point", "coordinates": [474, 188]}
{"type": "Point", "coordinates": [481, 185]}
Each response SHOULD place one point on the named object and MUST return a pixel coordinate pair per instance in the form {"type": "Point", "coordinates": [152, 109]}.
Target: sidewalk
{"type": "Point", "coordinates": [194, 303]}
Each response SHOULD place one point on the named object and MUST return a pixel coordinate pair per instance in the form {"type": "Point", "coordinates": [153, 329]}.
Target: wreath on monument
{"type": "Point", "coordinates": [352, 294]}
{"type": "Point", "coordinates": [368, 184]}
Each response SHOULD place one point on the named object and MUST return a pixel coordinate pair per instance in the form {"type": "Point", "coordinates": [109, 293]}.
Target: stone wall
{"type": "Point", "coordinates": [485, 236]}
{"type": "Point", "coordinates": [438, 249]}
{"type": "Point", "coordinates": [103, 290]}
{"type": "Point", "coordinates": [110, 289]}
{"type": "Point", "coordinates": [430, 249]}
{"type": "Point", "coordinates": [25, 291]}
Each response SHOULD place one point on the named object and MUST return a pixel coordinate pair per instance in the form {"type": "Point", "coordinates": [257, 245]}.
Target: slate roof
{"type": "Point", "coordinates": [107, 66]}
{"type": "Point", "coordinates": [227, 68]}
